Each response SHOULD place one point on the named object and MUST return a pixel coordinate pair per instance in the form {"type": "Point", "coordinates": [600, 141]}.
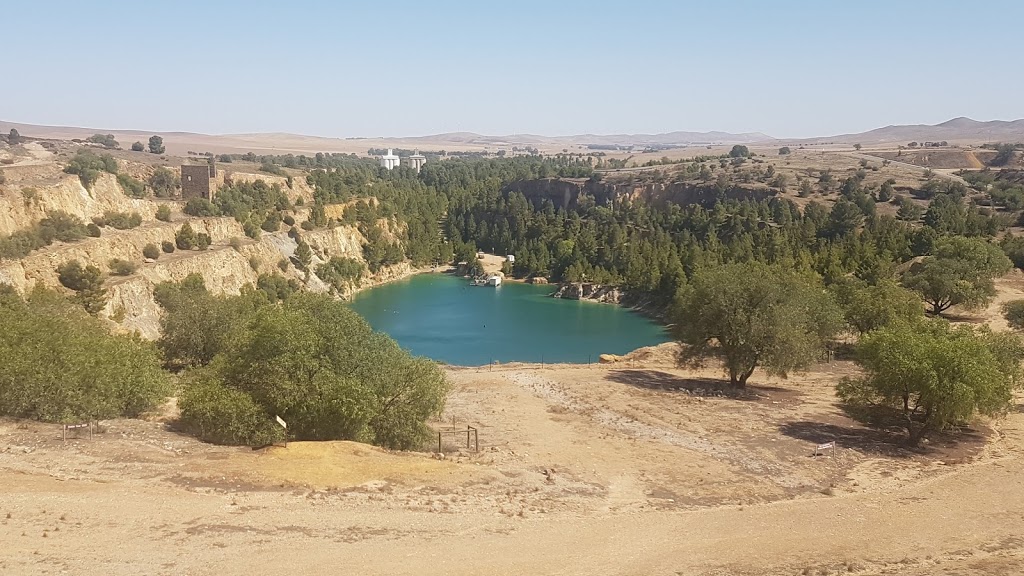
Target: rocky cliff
{"type": "Point", "coordinates": [589, 291]}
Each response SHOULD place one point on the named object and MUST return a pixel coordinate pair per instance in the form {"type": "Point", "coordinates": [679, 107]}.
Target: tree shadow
{"type": "Point", "coordinates": [664, 381]}
{"type": "Point", "coordinates": [867, 440]}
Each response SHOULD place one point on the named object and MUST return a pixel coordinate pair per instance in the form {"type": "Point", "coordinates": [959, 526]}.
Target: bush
{"type": "Point", "coordinates": [1013, 311]}
{"type": "Point", "coordinates": [307, 225]}
{"type": "Point", "coordinates": [120, 267]}
{"type": "Point", "coordinates": [185, 239]}
{"type": "Point", "coordinates": [165, 183]}
{"type": "Point", "coordinates": [119, 220]}
{"type": "Point", "coordinates": [138, 147]}
{"type": "Point", "coordinates": [272, 223]}
{"type": "Point", "coordinates": [87, 282]}
{"type": "Point", "coordinates": [282, 264]}
{"type": "Point", "coordinates": [60, 365]}
{"type": "Point", "coordinates": [277, 288]}
{"type": "Point", "coordinates": [317, 364]}
{"type": "Point", "coordinates": [163, 213]}
{"type": "Point", "coordinates": [215, 413]}
{"type": "Point", "coordinates": [271, 169]}
{"type": "Point", "coordinates": [56, 226]}
{"type": "Point", "coordinates": [93, 230]}
{"type": "Point", "coordinates": [340, 273]}
{"type": "Point", "coordinates": [203, 241]}
{"type": "Point", "coordinates": [131, 186]}
{"type": "Point", "coordinates": [288, 220]}
{"type": "Point", "coordinates": [151, 251]}
{"type": "Point", "coordinates": [89, 166]}
{"type": "Point", "coordinates": [235, 242]}
{"type": "Point", "coordinates": [200, 207]}
{"type": "Point", "coordinates": [167, 246]}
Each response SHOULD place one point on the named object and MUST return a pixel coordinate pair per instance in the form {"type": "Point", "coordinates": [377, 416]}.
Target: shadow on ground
{"type": "Point", "coordinates": [658, 380]}
{"type": "Point", "coordinates": [865, 440]}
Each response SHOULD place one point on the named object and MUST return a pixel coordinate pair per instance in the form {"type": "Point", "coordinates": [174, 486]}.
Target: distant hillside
{"type": "Point", "coordinates": [959, 130]}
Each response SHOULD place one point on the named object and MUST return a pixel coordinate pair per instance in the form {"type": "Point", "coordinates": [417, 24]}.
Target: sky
{"type": "Point", "coordinates": [397, 68]}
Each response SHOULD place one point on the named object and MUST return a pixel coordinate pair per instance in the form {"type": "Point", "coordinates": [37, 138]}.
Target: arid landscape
{"type": "Point", "coordinates": [633, 468]}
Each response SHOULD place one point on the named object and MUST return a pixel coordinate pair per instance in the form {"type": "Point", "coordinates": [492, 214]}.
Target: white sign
{"type": "Point", "coordinates": [281, 422]}
{"type": "Point", "coordinates": [826, 446]}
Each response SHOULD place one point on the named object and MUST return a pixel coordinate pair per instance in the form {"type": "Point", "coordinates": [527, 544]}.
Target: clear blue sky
{"type": "Point", "coordinates": [395, 68]}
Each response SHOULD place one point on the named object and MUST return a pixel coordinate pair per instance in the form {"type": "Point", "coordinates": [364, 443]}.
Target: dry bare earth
{"type": "Point", "coordinates": [620, 469]}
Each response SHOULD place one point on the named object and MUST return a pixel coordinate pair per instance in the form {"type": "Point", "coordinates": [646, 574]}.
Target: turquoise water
{"type": "Point", "coordinates": [442, 317]}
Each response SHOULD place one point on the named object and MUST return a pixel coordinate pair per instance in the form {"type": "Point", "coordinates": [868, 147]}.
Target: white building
{"type": "Point", "coordinates": [389, 161]}
{"type": "Point", "coordinates": [416, 161]}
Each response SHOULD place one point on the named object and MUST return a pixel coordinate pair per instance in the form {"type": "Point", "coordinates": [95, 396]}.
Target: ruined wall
{"type": "Point", "coordinates": [197, 181]}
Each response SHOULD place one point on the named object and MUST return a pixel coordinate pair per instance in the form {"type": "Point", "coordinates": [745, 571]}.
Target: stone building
{"type": "Point", "coordinates": [198, 181]}
{"type": "Point", "coordinates": [389, 160]}
{"type": "Point", "coordinates": [416, 161]}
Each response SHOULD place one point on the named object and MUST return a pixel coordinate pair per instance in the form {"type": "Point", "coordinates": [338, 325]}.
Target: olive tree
{"type": "Point", "coordinates": [752, 315]}
{"type": "Point", "coordinates": [868, 307]}
{"type": "Point", "coordinates": [959, 273]}
{"type": "Point", "coordinates": [932, 376]}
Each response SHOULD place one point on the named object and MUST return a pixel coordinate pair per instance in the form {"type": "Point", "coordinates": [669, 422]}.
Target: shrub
{"type": "Point", "coordinates": [215, 413]}
{"type": "Point", "coordinates": [56, 226]}
{"type": "Point", "coordinates": [288, 220]}
{"type": "Point", "coordinates": [60, 365]}
{"type": "Point", "coordinates": [307, 225]}
{"type": "Point", "coordinates": [131, 186]}
{"type": "Point", "coordinates": [251, 229]}
{"type": "Point", "coordinates": [167, 246]}
{"type": "Point", "coordinates": [119, 220]}
{"type": "Point", "coordinates": [163, 213]}
{"type": "Point", "coordinates": [203, 241]}
{"type": "Point", "coordinates": [185, 239]}
{"type": "Point", "coordinates": [93, 230]}
{"type": "Point", "coordinates": [87, 282]}
{"type": "Point", "coordinates": [200, 207]}
{"type": "Point", "coordinates": [271, 169]}
{"type": "Point", "coordinates": [165, 183]}
{"type": "Point", "coordinates": [138, 147]}
{"type": "Point", "coordinates": [300, 201]}
{"type": "Point", "coordinates": [89, 166]}
{"type": "Point", "coordinates": [1013, 311]}
{"type": "Point", "coordinates": [120, 267]}
{"type": "Point", "coordinates": [235, 242]}
{"type": "Point", "coordinates": [282, 264]}
{"type": "Point", "coordinates": [340, 272]}
{"type": "Point", "coordinates": [151, 251]}
{"type": "Point", "coordinates": [277, 288]}
{"type": "Point", "coordinates": [317, 364]}
{"type": "Point", "coordinates": [272, 223]}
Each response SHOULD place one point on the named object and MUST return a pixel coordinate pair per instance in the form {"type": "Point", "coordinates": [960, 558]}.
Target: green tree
{"type": "Point", "coordinates": [163, 213]}
{"type": "Point", "coordinates": [960, 273]}
{"type": "Point", "coordinates": [856, 146]}
{"type": "Point", "coordinates": [784, 151]}
{"type": "Point", "coordinates": [303, 254]}
{"type": "Point", "coordinates": [869, 307]}
{"type": "Point", "coordinates": [87, 283]}
{"type": "Point", "coordinates": [753, 315]}
{"type": "Point", "coordinates": [185, 238]}
{"type": "Point", "coordinates": [151, 251]}
{"type": "Point", "coordinates": [61, 365]}
{"type": "Point", "coordinates": [138, 147]}
{"type": "Point", "coordinates": [1013, 311]}
{"type": "Point", "coordinates": [165, 183]}
{"type": "Point", "coordinates": [932, 376]}
{"type": "Point", "coordinates": [739, 151]}
{"type": "Point", "coordinates": [156, 145]}
{"type": "Point", "coordinates": [315, 363]}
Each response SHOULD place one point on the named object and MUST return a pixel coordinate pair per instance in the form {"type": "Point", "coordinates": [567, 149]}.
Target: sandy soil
{"type": "Point", "coordinates": [628, 468]}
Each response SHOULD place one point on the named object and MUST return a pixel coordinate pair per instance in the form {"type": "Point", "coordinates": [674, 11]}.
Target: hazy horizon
{"type": "Point", "coordinates": [321, 69]}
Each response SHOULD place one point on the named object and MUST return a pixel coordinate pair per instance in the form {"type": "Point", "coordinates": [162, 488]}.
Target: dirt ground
{"type": "Point", "coordinates": [629, 468]}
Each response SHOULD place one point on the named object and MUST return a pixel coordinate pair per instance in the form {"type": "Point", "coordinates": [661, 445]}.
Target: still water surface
{"type": "Point", "coordinates": [442, 317]}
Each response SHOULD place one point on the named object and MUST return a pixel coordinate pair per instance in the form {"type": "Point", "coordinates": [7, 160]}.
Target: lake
{"type": "Point", "coordinates": [441, 317]}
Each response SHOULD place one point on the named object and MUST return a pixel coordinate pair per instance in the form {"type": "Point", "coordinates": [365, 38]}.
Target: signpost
{"type": "Point", "coordinates": [824, 447]}
{"type": "Point", "coordinates": [66, 427]}
{"type": "Point", "coordinates": [284, 425]}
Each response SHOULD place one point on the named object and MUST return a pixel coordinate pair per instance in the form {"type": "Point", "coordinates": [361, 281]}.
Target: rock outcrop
{"type": "Point", "coordinates": [589, 291]}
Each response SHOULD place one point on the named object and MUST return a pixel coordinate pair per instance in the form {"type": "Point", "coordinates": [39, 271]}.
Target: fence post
{"type": "Point", "coordinates": [439, 443]}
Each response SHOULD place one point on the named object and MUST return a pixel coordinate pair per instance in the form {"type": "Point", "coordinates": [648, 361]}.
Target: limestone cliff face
{"type": "Point", "coordinates": [20, 209]}
{"type": "Point", "coordinates": [589, 291]}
